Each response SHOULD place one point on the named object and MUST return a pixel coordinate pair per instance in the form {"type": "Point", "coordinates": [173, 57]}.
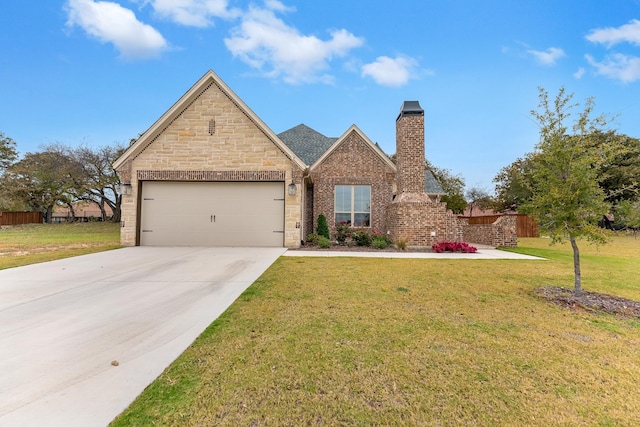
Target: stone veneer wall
{"type": "Point", "coordinates": [185, 150]}
{"type": "Point", "coordinates": [353, 162]}
{"type": "Point", "coordinates": [503, 232]}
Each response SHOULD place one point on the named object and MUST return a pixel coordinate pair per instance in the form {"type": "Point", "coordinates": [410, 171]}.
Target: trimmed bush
{"type": "Point", "coordinates": [323, 227]}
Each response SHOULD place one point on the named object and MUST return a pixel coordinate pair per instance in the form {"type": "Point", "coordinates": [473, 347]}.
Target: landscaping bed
{"type": "Point", "coordinates": [590, 301]}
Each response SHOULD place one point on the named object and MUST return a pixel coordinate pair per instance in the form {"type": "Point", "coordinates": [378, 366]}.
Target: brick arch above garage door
{"type": "Point", "coordinates": [184, 213]}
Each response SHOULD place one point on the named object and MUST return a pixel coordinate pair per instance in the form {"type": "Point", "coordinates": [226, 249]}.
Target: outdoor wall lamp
{"type": "Point", "coordinates": [292, 189]}
{"type": "Point", "coordinates": [124, 189]}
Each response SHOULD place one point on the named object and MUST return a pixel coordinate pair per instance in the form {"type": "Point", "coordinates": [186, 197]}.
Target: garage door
{"type": "Point", "coordinates": [212, 214]}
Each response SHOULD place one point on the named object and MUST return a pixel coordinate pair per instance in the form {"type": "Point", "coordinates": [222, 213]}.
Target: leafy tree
{"type": "Point", "coordinates": [619, 177]}
{"type": "Point", "coordinates": [8, 153]}
{"type": "Point", "coordinates": [41, 180]}
{"type": "Point", "coordinates": [511, 187]}
{"type": "Point", "coordinates": [96, 181]}
{"type": "Point", "coordinates": [453, 186]}
{"type": "Point", "coordinates": [478, 198]}
{"type": "Point", "coordinates": [565, 196]}
{"type": "Point", "coordinates": [627, 215]}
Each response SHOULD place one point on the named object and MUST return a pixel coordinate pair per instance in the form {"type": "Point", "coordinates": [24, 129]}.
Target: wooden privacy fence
{"type": "Point", "coordinates": [526, 225]}
{"type": "Point", "coordinates": [17, 218]}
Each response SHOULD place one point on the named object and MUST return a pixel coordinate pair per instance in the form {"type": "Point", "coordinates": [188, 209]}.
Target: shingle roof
{"type": "Point", "coordinates": [306, 143]}
{"type": "Point", "coordinates": [431, 184]}
{"type": "Point", "coordinates": [309, 145]}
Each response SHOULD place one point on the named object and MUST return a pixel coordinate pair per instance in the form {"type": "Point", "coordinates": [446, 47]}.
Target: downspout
{"type": "Point", "coordinates": [306, 177]}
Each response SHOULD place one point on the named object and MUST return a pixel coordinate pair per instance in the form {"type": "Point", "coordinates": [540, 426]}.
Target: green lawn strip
{"type": "Point", "coordinates": [360, 341]}
{"type": "Point", "coordinates": [34, 243]}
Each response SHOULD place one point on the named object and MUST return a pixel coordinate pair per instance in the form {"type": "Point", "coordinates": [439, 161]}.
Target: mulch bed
{"type": "Point", "coordinates": [355, 248]}
{"type": "Point", "coordinates": [592, 302]}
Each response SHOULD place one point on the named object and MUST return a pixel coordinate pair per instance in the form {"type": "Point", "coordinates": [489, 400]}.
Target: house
{"type": "Point", "coordinates": [210, 172]}
{"type": "Point", "coordinates": [79, 211]}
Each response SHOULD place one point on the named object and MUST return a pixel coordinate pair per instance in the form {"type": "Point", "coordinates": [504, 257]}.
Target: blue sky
{"type": "Point", "coordinates": [99, 72]}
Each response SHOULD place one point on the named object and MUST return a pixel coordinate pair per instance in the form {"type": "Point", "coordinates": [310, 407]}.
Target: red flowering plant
{"type": "Point", "coordinates": [343, 231]}
{"type": "Point", "coordinates": [453, 247]}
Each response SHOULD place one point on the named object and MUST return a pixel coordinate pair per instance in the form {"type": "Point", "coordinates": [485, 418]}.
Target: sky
{"type": "Point", "coordinates": [97, 73]}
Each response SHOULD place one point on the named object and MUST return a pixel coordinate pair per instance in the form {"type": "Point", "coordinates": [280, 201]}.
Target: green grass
{"type": "Point", "coordinates": [359, 341]}
{"type": "Point", "coordinates": [33, 243]}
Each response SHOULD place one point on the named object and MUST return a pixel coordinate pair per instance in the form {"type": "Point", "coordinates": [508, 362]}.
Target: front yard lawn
{"type": "Point", "coordinates": [360, 341]}
{"type": "Point", "coordinates": [33, 243]}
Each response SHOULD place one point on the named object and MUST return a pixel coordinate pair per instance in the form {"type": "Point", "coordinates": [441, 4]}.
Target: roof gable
{"type": "Point", "coordinates": [176, 110]}
{"type": "Point", "coordinates": [339, 141]}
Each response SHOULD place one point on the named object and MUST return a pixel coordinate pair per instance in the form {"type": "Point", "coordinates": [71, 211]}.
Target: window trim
{"type": "Point", "coordinates": [352, 212]}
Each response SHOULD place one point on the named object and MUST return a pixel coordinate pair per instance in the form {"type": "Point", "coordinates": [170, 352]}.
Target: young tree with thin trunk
{"type": "Point", "coordinates": [563, 176]}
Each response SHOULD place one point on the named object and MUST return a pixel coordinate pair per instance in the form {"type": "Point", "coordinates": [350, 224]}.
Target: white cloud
{"type": "Point", "coordinates": [111, 23]}
{"type": "Point", "coordinates": [610, 36]}
{"type": "Point", "coordinates": [578, 74]}
{"type": "Point", "coordinates": [390, 71]}
{"type": "Point", "coordinates": [617, 66]}
{"type": "Point", "coordinates": [193, 13]}
{"type": "Point", "coordinates": [266, 43]}
{"type": "Point", "coordinates": [549, 56]}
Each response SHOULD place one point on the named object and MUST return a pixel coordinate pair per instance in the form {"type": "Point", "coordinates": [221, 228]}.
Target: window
{"type": "Point", "coordinates": [353, 205]}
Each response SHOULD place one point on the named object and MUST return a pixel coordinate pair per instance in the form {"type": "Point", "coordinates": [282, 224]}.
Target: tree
{"type": "Point", "coordinates": [479, 198]}
{"type": "Point", "coordinates": [453, 186]}
{"type": "Point", "coordinates": [41, 180]}
{"type": "Point", "coordinates": [511, 187]}
{"type": "Point", "coordinates": [566, 198]}
{"type": "Point", "coordinates": [8, 153]}
{"type": "Point", "coordinates": [97, 181]}
{"type": "Point", "coordinates": [619, 177]}
{"type": "Point", "coordinates": [627, 215]}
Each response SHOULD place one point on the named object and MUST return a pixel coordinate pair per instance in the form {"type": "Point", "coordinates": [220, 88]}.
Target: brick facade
{"type": "Point", "coordinates": [352, 162]}
{"type": "Point", "coordinates": [503, 232]}
{"type": "Point", "coordinates": [410, 155]}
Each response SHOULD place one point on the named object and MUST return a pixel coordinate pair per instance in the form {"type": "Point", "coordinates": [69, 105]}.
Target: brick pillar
{"type": "Point", "coordinates": [410, 148]}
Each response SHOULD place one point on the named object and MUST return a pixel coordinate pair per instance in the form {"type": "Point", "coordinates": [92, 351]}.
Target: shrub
{"type": "Point", "coordinates": [342, 232]}
{"type": "Point", "coordinates": [313, 239]}
{"type": "Point", "coordinates": [323, 227]}
{"type": "Point", "coordinates": [453, 247]}
{"type": "Point", "coordinates": [380, 242]}
{"type": "Point", "coordinates": [362, 237]}
{"type": "Point", "coordinates": [323, 242]}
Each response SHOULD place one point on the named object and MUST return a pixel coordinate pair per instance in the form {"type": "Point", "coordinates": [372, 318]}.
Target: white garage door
{"type": "Point", "coordinates": [212, 214]}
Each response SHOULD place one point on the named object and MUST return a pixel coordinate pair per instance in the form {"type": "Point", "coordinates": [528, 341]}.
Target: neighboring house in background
{"type": "Point", "coordinates": [210, 172]}
{"type": "Point", "coordinates": [82, 211]}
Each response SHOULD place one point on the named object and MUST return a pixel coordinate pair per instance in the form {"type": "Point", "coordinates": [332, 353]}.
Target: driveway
{"type": "Point", "coordinates": [80, 338]}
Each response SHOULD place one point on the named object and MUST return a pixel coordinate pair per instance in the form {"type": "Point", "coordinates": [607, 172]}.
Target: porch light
{"type": "Point", "coordinates": [292, 189]}
{"type": "Point", "coordinates": [124, 189]}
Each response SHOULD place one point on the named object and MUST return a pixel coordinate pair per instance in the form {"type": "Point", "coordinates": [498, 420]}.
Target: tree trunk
{"type": "Point", "coordinates": [576, 266]}
{"type": "Point", "coordinates": [103, 212]}
{"type": "Point", "coordinates": [48, 214]}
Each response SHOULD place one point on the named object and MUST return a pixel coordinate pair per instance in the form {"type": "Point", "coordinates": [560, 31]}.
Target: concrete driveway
{"type": "Point", "coordinates": [63, 323]}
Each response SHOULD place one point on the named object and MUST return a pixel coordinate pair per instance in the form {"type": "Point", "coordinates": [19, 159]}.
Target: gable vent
{"type": "Point", "coordinates": [212, 127]}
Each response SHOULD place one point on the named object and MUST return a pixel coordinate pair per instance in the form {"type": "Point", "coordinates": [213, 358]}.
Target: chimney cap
{"type": "Point", "coordinates": [411, 108]}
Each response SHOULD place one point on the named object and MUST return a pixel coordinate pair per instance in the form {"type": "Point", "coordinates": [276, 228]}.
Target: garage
{"type": "Point", "coordinates": [212, 214]}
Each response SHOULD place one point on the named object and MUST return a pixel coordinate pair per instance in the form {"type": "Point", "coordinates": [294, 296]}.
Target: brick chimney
{"type": "Point", "coordinates": [410, 148]}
